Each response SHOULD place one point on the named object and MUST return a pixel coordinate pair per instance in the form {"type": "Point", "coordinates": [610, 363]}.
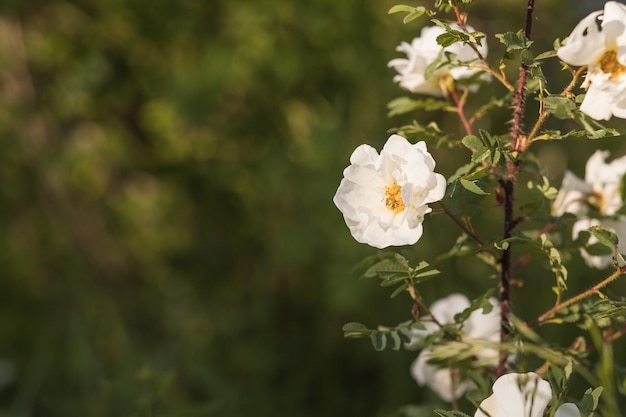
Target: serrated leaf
{"type": "Point", "coordinates": [448, 38]}
{"type": "Point", "coordinates": [604, 236]}
{"type": "Point", "coordinates": [472, 187]}
{"type": "Point", "coordinates": [414, 15]}
{"type": "Point", "coordinates": [405, 334]}
{"type": "Point", "coordinates": [514, 40]}
{"type": "Point", "coordinates": [561, 107]}
{"type": "Point", "coordinates": [393, 340]}
{"type": "Point", "coordinates": [472, 142]}
{"type": "Point", "coordinates": [355, 330]}
{"type": "Point", "coordinates": [590, 401]}
{"type": "Point", "coordinates": [379, 341]}
{"type": "Point", "coordinates": [354, 327]}
{"type": "Point", "coordinates": [395, 265]}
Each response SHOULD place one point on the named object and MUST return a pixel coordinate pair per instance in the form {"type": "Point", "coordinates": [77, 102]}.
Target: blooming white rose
{"type": "Point", "coordinates": [599, 190]}
{"type": "Point", "coordinates": [522, 395]}
{"type": "Point", "coordinates": [425, 50]}
{"type": "Point", "coordinates": [599, 41]}
{"type": "Point", "coordinates": [447, 382]}
{"type": "Point", "coordinates": [384, 197]}
{"type": "Point", "coordinates": [600, 187]}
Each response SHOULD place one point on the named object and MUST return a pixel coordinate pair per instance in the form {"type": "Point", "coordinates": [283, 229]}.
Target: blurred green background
{"type": "Point", "coordinates": [168, 243]}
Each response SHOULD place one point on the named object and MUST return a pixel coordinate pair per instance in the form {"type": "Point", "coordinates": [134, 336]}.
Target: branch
{"type": "Point", "coordinates": [548, 315]}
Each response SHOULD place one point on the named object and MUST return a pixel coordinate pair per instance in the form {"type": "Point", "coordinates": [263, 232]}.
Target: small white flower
{"type": "Point", "coordinates": [425, 50]}
{"type": "Point", "coordinates": [600, 188]}
{"type": "Point", "coordinates": [384, 197]}
{"type": "Point", "coordinates": [522, 395]}
{"type": "Point", "coordinates": [447, 382]}
{"type": "Point", "coordinates": [599, 41]}
{"type": "Point", "coordinates": [600, 191]}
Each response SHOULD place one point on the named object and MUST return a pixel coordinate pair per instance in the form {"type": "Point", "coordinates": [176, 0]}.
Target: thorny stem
{"type": "Point", "coordinates": [519, 97]}
{"type": "Point", "coordinates": [548, 315]}
{"type": "Point", "coordinates": [508, 186]}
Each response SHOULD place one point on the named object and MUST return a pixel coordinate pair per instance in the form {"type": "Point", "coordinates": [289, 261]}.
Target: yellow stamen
{"type": "Point", "coordinates": [610, 65]}
{"type": "Point", "coordinates": [597, 200]}
{"type": "Point", "coordinates": [393, 200]}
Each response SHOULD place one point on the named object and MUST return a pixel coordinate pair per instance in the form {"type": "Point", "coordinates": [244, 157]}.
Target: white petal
{"type": "Point", "coordinates": [572, 195]}
{"type": "Point", "coordinates": [597, 103]}
{"type": "Point", "coordinates": [364, 155]}
{"type": "Point", "coordinates": [485, 326]}
{"type": "Point", "coordinates": [614, 18]}
{"type": "Point", "coordinates": [438, 379]}
{"type": "Point", "coordinates": [585, 45]}
{"type": "Point", "coordinates": [517, 395]}
{"type": "Point", "coordinates": [567, 410]}
{"type": "Point", "coordinates": [446, 308]}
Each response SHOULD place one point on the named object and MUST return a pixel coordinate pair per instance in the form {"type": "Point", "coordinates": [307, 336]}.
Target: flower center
{"type": "Point", "coordinates": [610, 65]}
{"type": "Point", "coordinates": [597, 200]}
{"type": "Point", "coordinates": [393, 198]}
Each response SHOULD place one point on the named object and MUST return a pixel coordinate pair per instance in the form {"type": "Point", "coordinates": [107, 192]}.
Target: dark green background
{"type": "Point", "coordinates": [168, 242]}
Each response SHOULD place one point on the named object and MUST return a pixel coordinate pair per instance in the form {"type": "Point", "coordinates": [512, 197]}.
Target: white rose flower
{"type": "Point", "coordinates": [425, 50]}
{"type": "Point", "coordinates": [599, 190]}
{"type": "Point", "coordinates": [599, 41]}
{"type": "Point", "coordinates": [522, 395]}
{"type": "Point", "coordinates": [600, 187]}
{"type": "Point", "coordinates": [384, 197]}
{"type": "Point", "coordinates": [447, 382]}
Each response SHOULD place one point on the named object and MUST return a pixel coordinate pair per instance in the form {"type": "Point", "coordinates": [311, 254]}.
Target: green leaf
{"type": "Point", "coordinates": [448, 38]}
{"type": "Point", "coordinates": [481, 302]}
{"type": "Point", "coordinates": [544, 55]}
{"type": "Point", "coordinates": [399, 290]}
{"type": "Point", "coordinates": [604, 236]}
{"type": "Point", "coordinates": [393, 340]}
{"type": "Point", "coordinates": [590, 401]}
{"type": "Point", "coordinates": [355, 330]}
{"type": "Point", "coordinates": [412, 12]}
{"type": "Point", "coordinates": [414, 15]}
{"type": "Point", "coordinates": [514, 40]}
{"type": "Point", "coordinates": [354, 327]}
{"type": "Point", "coordinates": [405, 334]}
{"type": "Point", "coordinates": [379, 341]}
{"type": "Point", "coordinates": [561, 107]}
{"type": "Point", "coordinates": [401, 8]}
{"type": "Point", "coordinates": [394, 264]}
{"type": "Point", "coordinates": [462, 202]}
{"type": "Point", "coordinates": [472, 142]}
{"type": "Point", "coordinates": [472, 187]}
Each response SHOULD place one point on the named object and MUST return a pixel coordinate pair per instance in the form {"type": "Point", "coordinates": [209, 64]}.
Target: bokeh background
{"type": "Point", "coordinates": [168, 242]}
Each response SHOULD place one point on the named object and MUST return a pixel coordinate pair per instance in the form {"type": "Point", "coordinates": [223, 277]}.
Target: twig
{"type": "Point", "coordinates": [460, 102]}
{"type": "Point", "coordinates": [548, 315]}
